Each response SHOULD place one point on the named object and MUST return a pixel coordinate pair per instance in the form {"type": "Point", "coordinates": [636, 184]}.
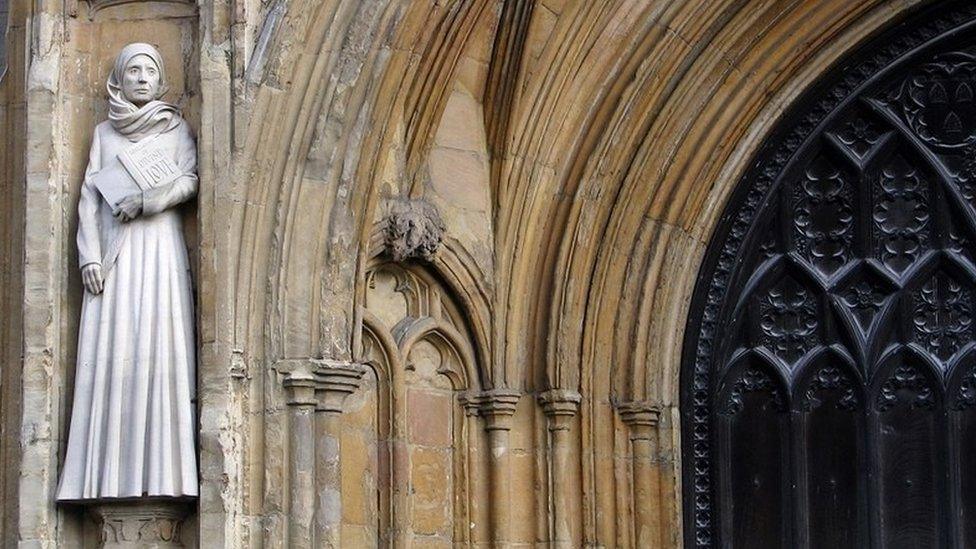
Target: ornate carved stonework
{"type": "Point", "coordinates": [823, 215]}
{"type": "Point", "coordinates": [752, 380]}
{"type": "Point", "coordinates": [938, 100]}
{"type": "Point", "coordinates": [964, 396]}
{"type": "Point", "coordinates": [414, 230]}
{"type": "Point", "coordinates": [141, 525]}
{"type": "Point", "coordinates": [788, 320]}
{"type": "Point", "coordinates": [908, 381]}
{"type": "Point", "coordinates": [942, 315]}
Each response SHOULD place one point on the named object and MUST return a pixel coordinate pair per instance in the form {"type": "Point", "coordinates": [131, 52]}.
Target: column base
{"type": "Point", "coordinates": [152, 524]}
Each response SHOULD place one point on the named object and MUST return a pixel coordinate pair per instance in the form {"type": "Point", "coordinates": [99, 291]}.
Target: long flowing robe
{"type": "Point", "coordinates": [132, 422]}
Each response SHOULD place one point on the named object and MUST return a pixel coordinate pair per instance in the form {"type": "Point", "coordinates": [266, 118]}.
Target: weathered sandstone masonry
{"type": "Point", "coordinates": [443, 252]}
{"type": "Point", "coordinates": [315, 393]}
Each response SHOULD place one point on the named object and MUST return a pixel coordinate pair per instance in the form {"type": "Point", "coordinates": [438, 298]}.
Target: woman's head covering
{"type": "Point", "coordinates": [155, 116]}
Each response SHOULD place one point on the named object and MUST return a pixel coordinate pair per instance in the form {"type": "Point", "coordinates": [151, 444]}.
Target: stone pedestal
{"type": "Point", "coordinates": [151, 524]}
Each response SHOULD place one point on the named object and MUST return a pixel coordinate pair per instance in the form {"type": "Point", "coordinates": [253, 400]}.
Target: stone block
{"type": "Point", "coordinates": [461, 127]}
{"type": "Point", "coordinates": [431, 497]}
{"type": "Point", "coordinates": [359, 488]}
{"type": "Point", "coordinates": [429, 417]}
{"type": "Point", "coordinates": [460, 178]}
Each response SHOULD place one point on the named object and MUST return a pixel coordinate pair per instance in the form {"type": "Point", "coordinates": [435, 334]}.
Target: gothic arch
{"type": "Point", "coordinates": [606, 181]}
{"type": "Point", "coordinates": [627, 185]}
{"type": "Point", "coordinates": [611, 135]}
{"type": "Point", "coordinates": [299, 193]}
{"type": "Point", "coordinates": [415, 334]}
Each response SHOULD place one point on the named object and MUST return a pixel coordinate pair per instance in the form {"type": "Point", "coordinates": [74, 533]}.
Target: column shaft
{"type": "Point", "coordinates": [301, 477]}
{"type": "Point", "coordinates": [562, 503]}
{"type": "Point", "coordinates": [642, 418]}
{"type": "Point", "coordinates": [333, 382]}
{"type": "Point", "coordinates": [328, 479]}
{"type": "Point", "coordinates": [497, 407]}
{"type": "Point", "coordinates": [647, 494]}
{"type": "Point", "coordinates": [479, 521]}
{"type": "Point", "coordinates": [500, 486]}
{"type": "Point", "coordinates": [561, 407]}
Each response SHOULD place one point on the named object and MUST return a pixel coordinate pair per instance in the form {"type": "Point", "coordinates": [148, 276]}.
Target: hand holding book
{"type": "Point", "coordinates": [128, 208]}
{"type": "Point", "coordinates": [141, 167]}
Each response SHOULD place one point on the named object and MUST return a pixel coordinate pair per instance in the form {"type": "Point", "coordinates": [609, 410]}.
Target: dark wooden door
{"type": "Point", "coordinates": [829, 383]}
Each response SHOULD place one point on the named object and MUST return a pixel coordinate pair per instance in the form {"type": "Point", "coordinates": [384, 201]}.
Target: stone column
{"type": "Point", "coordinates": [147, 524]}
{"type": "Point", "coordinates": [497, 408]}
{"type": "Point", "coordinates": [560, 407]}
{"type": "Point", "coordinates": [334, 382]}
{"type": "Point", "coordinates": [642, 418]}
{"type": "Point", "coordinates": [478, 493]}
{"type": "Point", "coordinates": [300, 394]}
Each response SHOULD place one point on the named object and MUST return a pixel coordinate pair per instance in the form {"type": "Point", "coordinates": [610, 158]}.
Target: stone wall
{"type": "Point", "coordinates": [505, 369]}
{"type": "Point", "coordinates": [12, 117]}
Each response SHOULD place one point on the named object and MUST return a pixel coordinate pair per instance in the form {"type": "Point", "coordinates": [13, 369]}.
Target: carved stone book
{"type": "Point", "coordinates": [149, 164]}
{"type": "Point", "coordinates": [114, 183]}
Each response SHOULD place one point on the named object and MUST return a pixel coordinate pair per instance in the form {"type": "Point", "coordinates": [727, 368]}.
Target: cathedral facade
{"type": "Point", "coordinates": [521, 273]}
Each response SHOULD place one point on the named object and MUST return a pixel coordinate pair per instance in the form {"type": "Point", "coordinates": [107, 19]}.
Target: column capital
{"type": "Point", "coordinates": [560, 402]}
{"type": "Point", "coordinates": [642, 416]}
{"type": "Point", "coordinates": [497, 406]}
{"type": "Point", "coordinates": [334, 381]}
{"type": "Point", "coordinates": [560, 406]}
{"type": "Point", "coordinates": [299, 388]}
{"type": "Point", "coordinates": [321, 383]}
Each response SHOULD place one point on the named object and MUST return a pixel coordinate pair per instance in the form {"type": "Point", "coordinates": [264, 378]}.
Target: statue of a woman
{"type": "Point", "coordinates": [132, 423]}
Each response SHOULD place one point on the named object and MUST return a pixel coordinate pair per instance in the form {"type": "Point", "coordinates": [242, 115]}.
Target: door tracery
{"type": "Point", "coordinates": [830, 371]}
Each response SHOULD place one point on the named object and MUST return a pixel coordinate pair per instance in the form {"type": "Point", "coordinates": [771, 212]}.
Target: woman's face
{"type": "Point", "coordinates": [140, 80]}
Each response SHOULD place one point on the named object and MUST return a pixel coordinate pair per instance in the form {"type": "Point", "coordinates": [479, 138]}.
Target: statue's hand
{"type": "Point", "coordinates": [91, 277]}
{"type": "Point", "coordinates": [128, 208]}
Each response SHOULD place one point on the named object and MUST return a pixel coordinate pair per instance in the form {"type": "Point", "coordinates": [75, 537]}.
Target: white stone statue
{"type": "Point", "coordinates": [133, 422]}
